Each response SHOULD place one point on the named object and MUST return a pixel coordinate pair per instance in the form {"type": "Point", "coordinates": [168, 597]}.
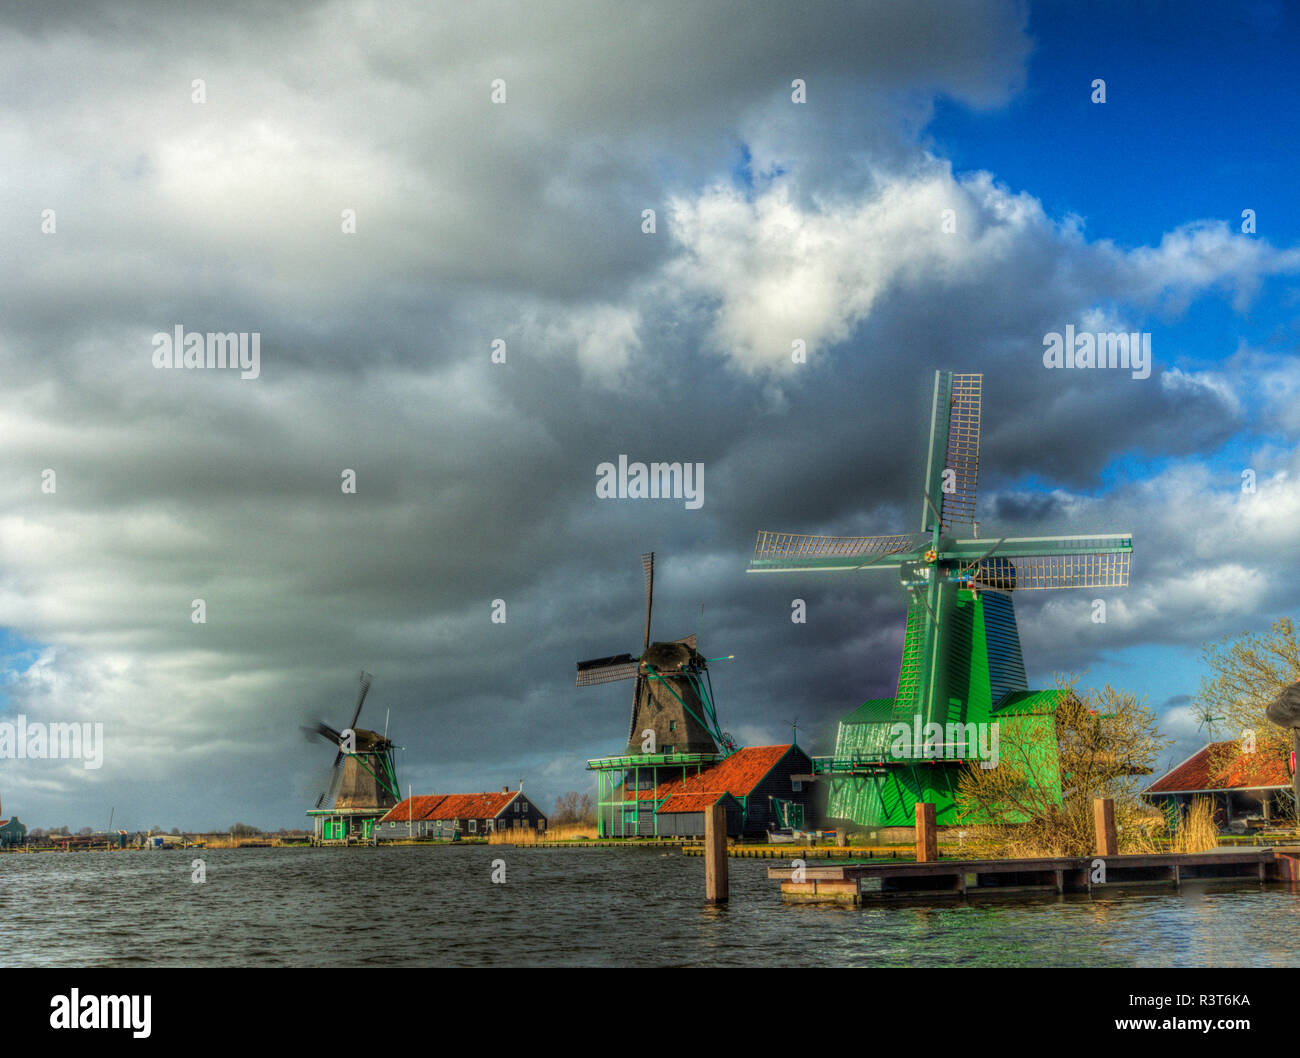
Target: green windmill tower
{"type": "Point", "coordinates": [962, 693]}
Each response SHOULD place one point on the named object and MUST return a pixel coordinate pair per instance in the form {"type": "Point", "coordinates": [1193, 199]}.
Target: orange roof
{"type": "Point", "coordinates": [691, 802]}
{"type": "Point", "coordinates": [1244, 771]}
{"type": "Point", "coordinates": [450, 806]}
{"type": "Point", "coordinates": [473, 805]}
{"type": "Point", "coordinates": [413, 808]}
{"type": "Point", "coordinates": [737, 775]}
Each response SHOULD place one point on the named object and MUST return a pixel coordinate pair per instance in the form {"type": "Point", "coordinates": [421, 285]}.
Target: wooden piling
{"type": "Point", "coordinates": [927, 838]}
{"type": "Point", "coordinates": [1103, 818]}
{"type": "Point", "coordinates": [715, 855]}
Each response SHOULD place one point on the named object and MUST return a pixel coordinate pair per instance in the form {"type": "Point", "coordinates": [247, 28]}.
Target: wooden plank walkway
{"type": "Point", "coordinates": [805, 852]}
{"type": "Point", "coordinates": [854, 883]}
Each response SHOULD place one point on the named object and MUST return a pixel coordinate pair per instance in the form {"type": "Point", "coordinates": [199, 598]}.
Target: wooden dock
{"type": "Point", "coordinates": [856, 883]}
{"type": "Point", "coordinates": [804, 852]}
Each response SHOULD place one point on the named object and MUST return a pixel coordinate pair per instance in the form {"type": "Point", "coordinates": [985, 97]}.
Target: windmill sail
{"type": "Point", "coordinates": [963, 451]}
{"type": "Point", "coordinates": [781, 552]}
{"type": "Point", "coordinates": [1046, 562]}
{"type": "Point", "coordinates": [607, 670]}
{"type": "Point", "coordinates": [648, 568]}
{"type": "Point", "coordinates": [952, 463]}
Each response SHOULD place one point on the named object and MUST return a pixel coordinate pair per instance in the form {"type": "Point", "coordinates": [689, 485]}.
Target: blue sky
{"type": "Point", "coordinates": [1197, 121]}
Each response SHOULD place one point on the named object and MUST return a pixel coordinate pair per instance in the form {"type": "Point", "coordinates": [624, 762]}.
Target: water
{"type": "Point", "coordinates": [423, 906]}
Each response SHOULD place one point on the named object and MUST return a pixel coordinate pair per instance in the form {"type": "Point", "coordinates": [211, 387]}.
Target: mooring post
{"type": "Point", "coordinates": [927, 838]}
{"type": "Point", "coordinates": [715, 855]}
{"type": "Point", "coordinates": [1103, 818]}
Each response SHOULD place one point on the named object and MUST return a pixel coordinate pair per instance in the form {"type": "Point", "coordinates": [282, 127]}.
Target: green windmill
{"type": "Point", "coordinates": [962, 678]}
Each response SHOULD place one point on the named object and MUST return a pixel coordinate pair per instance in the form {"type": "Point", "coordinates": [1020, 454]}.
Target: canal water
{"type": "Point", "coordinates": [439, 906]}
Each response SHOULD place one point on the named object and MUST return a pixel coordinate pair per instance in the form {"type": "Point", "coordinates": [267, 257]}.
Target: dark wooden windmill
{"type": "Point", "coordinates": [674, 731]}
{"type": "Point", "coordinates": [363, 783]}
{"type": "Point", "coordinates": [672, 700]}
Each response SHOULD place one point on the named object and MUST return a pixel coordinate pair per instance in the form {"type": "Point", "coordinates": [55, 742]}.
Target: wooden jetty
{"type": "Point", "coordinates": [804, 852]}
{"type": "Point", "coordinates": [856, 883]}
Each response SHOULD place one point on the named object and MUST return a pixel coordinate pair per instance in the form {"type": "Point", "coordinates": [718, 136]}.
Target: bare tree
{"type": "Point", "coordinates": [573, 807]}
{"type": "Point", "coordinates": [1037, 801]}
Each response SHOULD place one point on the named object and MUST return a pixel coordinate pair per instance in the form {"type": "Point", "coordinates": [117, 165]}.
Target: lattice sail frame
{"type": "Point", "coordinates": [1082, 570]}
{"type": "Point", "coordinates": [1044, 562]}
{"type": "Point", "coordinates": [793, 547]}
{"type": "Point", "coordinates": [963, 452]}
{"type": "Point", "coordinates": [624, 670]}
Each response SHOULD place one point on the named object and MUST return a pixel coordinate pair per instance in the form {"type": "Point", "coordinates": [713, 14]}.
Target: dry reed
{"type": "Point", "coordinates": [1196, 832]}
{"type": "Point", "coordinates": [528, 836]}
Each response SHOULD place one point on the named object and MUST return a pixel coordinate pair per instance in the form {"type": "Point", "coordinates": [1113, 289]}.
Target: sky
{"type": "Point", "coordinates": [385, 193]}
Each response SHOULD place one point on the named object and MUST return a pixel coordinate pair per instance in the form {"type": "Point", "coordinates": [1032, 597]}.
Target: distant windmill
{"type": "Point", "coordinates": [363, 777]}
{"type": "Point", "coordinates": [1207, 720]}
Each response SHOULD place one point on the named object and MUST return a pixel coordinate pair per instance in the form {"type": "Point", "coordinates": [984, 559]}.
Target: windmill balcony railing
{"type": "Point", "coordinates": [642, 760]}
{"type": "Point", "coordinates": [843, 765]}
{"type": "Point", "coordinates": [938, 753]}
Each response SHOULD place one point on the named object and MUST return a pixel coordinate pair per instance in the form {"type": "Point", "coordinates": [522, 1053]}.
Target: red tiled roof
{"type": "Point", "coordinates": [473, 805]}
{"type": "Point", "coordinates": [413, 808]}
{"type": "Point", "coordinates": [450, 806]}
{"type": "Point", "coordinates": [737, 775]}
{"type": "Point", "coordinates": [691, 802]}
{"type": "Point", "coordinates": [1244, 771]}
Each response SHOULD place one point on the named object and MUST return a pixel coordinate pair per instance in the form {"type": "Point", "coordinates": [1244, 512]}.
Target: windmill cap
{"type": "Point", "coordinates": [673, 655]}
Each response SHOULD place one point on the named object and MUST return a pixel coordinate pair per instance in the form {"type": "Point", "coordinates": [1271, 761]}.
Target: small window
{"type": "Point", "coordinates": [672, 725]}
{"type": "Point", "coordinates": [796, 785]}
{"type": "Point", "coordinates": [473, 826]}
